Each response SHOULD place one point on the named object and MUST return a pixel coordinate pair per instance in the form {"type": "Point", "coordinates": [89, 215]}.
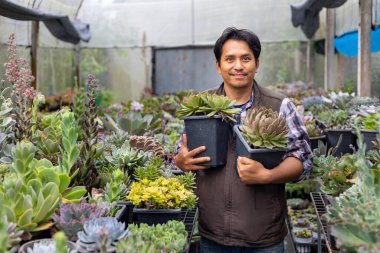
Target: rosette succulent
{"type": "Point", "coordinates": [264, 128]}
{"type": "Point", "coordinates": [210, 105]}
{"type": "Point", "coordinates": [101, 234]}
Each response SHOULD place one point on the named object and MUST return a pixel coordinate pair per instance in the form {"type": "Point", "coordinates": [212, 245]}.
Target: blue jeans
{"type": "Point", "coordinates": [208, 246]}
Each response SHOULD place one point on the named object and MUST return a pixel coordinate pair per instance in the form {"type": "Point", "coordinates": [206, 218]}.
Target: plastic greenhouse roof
{"type": "Point", "coordinates": [169, 23]}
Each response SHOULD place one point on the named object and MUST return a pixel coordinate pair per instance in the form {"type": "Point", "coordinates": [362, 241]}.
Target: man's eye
{"type": "Point", "coordinates": [246, 59]}
{"type": "Point", "coordinates": [229, 60]}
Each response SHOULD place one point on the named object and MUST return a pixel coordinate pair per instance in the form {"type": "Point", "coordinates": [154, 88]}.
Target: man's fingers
{"type": "Point", "coordinates": [244, 160]}
{"type": "Point", "coordinates": [200, 160]}
{"type": "Point", "coordinates": [184, 140]}
{"type": "Point", "coordinates": [196, 151]}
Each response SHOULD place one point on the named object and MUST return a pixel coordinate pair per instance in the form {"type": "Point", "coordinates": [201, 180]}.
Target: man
{"type": "Point", "coordinates": [245, 211]}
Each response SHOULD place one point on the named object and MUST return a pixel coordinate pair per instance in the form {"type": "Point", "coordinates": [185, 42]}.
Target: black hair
{"type": "Point", "coordinates": [232, 33]}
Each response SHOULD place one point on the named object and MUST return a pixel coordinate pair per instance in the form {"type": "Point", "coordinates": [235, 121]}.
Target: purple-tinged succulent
{"type": "Point", "coordinates": [72, 216]}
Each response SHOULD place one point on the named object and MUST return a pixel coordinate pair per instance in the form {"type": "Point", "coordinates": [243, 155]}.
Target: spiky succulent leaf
{"type": "Point", "coordinates": [264, 128]}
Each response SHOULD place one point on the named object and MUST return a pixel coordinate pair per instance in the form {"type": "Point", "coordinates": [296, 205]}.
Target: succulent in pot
{"type": "Point", "coordinates": [207, 119]}
{"type": "Point", "coordinates": [262, 136]}
{"type": "Point", "coordinates": [58, 245]}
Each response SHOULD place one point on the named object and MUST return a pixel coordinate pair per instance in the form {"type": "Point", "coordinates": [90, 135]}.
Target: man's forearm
{"type": "Point", "coordinates": [287, 171]}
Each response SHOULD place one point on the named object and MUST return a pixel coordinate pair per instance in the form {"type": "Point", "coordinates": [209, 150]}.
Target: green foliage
{"type": "Point", "coordinates": [338, 175]}
{"type": "Point", "coordinates": [170, 237]}
{"type": "Point", "coordinates": [150, 171]}
{"type": "Point", "coordinates": [303, 233]}
{"type": "Point", "coordinates": [337, 119]}
{"type": "Point", "coordinates": [161, 194]}
{"type": "Point", "coordinates": [126, 158]}
{"type": "Point", "coordinates": [210, 105]}
{"type": "Point", "coordinates": [48, 137]}
{"type": "Point", "coordinates": [69, 150]}
{"type": "Point", "coordinates": [22, 112]}
{"type": "Point", "coordinates": [355, 214]}
{"type": "Point", "coordinates": [60, 243]}
{"type": "Point", "coordinates": [264, 128]}
{"type": "Point", "coordinates": [312, 128]}
{"type": "Point", "coordinates": [7, 136]}
{"type": "Point", "coordinates": [134, 123]}
{"type": "Point", "coordinates": [117, 188]}
{"type": "Point", "coordinates": [90, 149]}
{"type": "Point", "coordinates": [188, 180]}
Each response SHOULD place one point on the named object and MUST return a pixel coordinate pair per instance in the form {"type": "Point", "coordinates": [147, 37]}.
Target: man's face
{"type": "Point", "coordinates": [237, 64]}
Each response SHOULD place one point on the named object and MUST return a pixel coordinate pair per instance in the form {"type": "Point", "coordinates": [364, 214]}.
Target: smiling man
{"type": "Point", "coordinates": [246, 211]}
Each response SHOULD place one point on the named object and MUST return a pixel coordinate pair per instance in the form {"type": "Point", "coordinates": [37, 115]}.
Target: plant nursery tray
{"type": "Point", "coordinates": [320, 209]}
{"type": "Point", "coordinates": [189, 217]}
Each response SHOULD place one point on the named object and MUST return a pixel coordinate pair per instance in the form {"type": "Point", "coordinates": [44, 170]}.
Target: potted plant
{"type": "Point", "coordinates": [171, 237]}
{"type": "Point", "coordinates": [303, 236]}
{"type": "Point", "coordinates": [262, 137]}
{"type": "Point", "coordinates": [206, 119]}
{"type": "Point", "coordinates": [58, 245]}
{"type": "Point", "coordinates": [338, 131]}
{"type": "Point", "coordinates": [315, 133]}
{"type": "Point", "coordinates": [368, 120]}
{"type": "Point", "coordinates": [160, 200]}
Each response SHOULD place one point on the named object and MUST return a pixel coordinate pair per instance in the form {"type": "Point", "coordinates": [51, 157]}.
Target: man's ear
{"type": "Point", "coordinates": [217, 65]}
{"type": "Point", "coordinates": [257, 64]}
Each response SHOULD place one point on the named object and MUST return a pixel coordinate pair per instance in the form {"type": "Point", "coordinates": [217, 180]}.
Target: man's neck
{"type": "Point", "coordinates": [241, 95]}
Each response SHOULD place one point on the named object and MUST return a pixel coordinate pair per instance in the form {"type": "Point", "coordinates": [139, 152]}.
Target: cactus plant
{"type": "Point", "coordinates": [101, 234]}
{"type": "Point", "coordinates": [264, 128]}
{"type": "Point", "coordinates": [72, 216]}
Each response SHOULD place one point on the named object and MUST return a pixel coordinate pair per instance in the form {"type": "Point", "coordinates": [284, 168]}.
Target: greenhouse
{"type": "Point", "coordinates": [190, 126]}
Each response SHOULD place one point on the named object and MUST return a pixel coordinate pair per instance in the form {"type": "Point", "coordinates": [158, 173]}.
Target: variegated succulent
{"type": "Point", "coordinates": [264, 128]}
{"type": "Point", "coordinates": [210, 105]}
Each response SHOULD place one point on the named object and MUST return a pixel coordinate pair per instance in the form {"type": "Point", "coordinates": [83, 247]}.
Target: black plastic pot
{"type": "Point", "coordinates": [211, 132]}
{"type": "Point", "coordinates": [368, 137]}
{"type": "Point", "coordinates": [156, 216]}
{"type": "Point", "coordinates": [315, 140]}
{"type": "Point", "coordinates": [24, 248]}
{"type": "Point", "coordinates": [348, 141]}
{"type": "Point", "coordinates": [270, 158]}
{"type": "Point", "coordinates": [126, 213]}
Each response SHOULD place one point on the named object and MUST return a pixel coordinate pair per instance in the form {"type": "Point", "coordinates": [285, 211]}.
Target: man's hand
{"type": "Point", "coordinates": [251, 171]}
{"type": "Point", "coordinates": [185, 159]}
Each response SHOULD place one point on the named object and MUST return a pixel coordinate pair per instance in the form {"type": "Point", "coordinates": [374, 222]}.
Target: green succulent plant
{"type": "Point", "coordinates": [303, 233]}
{"type": "Point", "coordinates": [338, 175]}
{"type": "Point", "coordinates": [210, 105]}
{"type": "Point", "coordinates": [135, 123]}
{"type": "Point", "coordinates": [188, 180]}
{"type": "Point", "coordinates": [312, 129]}
{"type": "Point", "coordinates": [161, 194]}
{"type": "Point", "coordinates": [117, 188]}
{"type": "Point", "coordinates": [150, 171]}
{"type": "Point", "coordinates": [170, 237]}
{"type": "Point", "coordinates": [264, 128]}
{"type": "Point", "coordinates": [337, 119]}
{"type": "Point", "coordinates": [7, 136]}
{"type": "Point", "coordinates": [127, 158]}
{"type": "Point", "coordinates": [101, 234]}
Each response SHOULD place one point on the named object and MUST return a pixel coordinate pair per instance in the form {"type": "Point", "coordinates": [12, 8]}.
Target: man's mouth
{"type": "Point", "coordinates": [238, 74]}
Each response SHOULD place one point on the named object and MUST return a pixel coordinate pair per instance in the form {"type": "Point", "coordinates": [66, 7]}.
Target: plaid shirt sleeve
{"type": "Point", "coordinates": [299, 143]}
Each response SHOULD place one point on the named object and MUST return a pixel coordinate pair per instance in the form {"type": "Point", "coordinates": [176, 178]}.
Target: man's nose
{"type": "Point", "coordinates": [238, 64]}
